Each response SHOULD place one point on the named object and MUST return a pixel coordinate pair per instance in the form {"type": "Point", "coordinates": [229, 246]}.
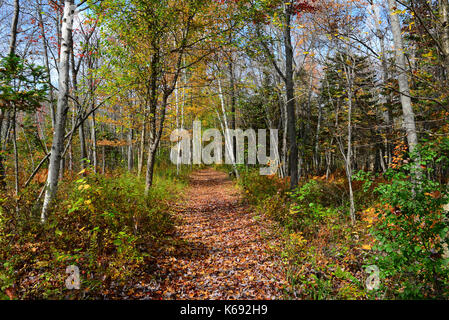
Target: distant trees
{"type": "Point", "coordinates": [344, 82]}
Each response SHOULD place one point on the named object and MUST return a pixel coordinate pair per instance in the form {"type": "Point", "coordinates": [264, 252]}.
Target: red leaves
{"type": "Point", "coordinates": [11, 293]}
{"type": "Point", "coordinates": [302, 6]}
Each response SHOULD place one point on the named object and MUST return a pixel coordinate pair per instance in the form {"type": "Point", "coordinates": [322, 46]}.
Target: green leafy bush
{"type": "Point", "coordinates": [257, 187]}
{"type": "Point", "coordinates": [309, 208]}
{"type": "Point", "coordinates": [411, 231]}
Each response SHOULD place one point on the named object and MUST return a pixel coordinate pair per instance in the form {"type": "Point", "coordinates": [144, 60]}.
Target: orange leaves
{"type": "Point", "coordinates": [398, 155]}
{"type": "Point", "coordinates": [112, 143]}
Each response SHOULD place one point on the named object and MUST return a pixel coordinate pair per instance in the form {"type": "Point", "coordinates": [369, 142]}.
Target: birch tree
{"type": "Point", "coordinates": [61, 111]}
{"type": "Point", "coordinates": [404, 88]}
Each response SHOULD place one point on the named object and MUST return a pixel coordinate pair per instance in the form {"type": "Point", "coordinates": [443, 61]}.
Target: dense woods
{"type": "Point", "coordinates": [91, 91]}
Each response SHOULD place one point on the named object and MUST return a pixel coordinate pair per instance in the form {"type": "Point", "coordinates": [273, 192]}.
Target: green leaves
{"type": "Point", "coordinates": [22, 85]}
{"type": "Point", "coordinates": [411, 230]}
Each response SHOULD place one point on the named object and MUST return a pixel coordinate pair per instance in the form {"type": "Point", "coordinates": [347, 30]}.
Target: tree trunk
{"type": "Point", "coordinates": [16, 154]}
{"type": "Point", "coordinates": [103, 159]}
{"type": "Point", "coordinates": [47, 65]}
{"type": "Point", "coordinates": [150, 168]}
{"type": "Point", "coordinates": [14, 23]}
{"type": "Point", "coordinates": [291, 116]}
{"type": "Point", "coordinates": [83, 153]}
{"type": "Point", "coordinates": [317, 139]}
{"type": "Point", "coordinates": [225, 130]}
{"type": "Point", "coordinates": [3, 122]}
{"type": "Point", "coordinates": [4, 115]}
{"type": "Point", "coordinates": [130, 150]}
{"type": "Point", "coordinates": [407, 110]}
{"type": "Point", "coordinates": [93, 136]}
{"type": "Point", "coordinates": [61, 111]}
{"type": "Point", "coordinates": [232, 96]}
{"type": "Point", "coordinates": [349, 70]}
{"type": "Point", "coordinates": [142, 148]}
{"type": "Point", "coordinates": [444, 19]}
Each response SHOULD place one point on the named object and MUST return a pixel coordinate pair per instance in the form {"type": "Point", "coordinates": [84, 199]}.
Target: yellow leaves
{"type": "Point", "coordinates": [428, 55]}
{"type": "Point", "coordinates": [293, 212]}
{"type": "Point", "coordinates": [366, 247]}
{"type": "Point", "coordinates": [298, 239]}
{"type": "Point", "coordinates": [41, 264]}
{"type": "Point", "coordinates": [83, 187]}
{"type": "Point", "coordinates": [397, 11]}
{"type": "Point", "coordinates": [369, 215]}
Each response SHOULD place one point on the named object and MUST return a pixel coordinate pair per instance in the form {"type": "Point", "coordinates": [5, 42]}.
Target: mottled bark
{"type": "Point", "coordinates": [61, 111]}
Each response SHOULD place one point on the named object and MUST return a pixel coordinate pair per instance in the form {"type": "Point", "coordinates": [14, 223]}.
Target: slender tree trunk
{"type": "Point", "coordinates": [83, 153]}
{"type": "Point", "coordinates": [47, 64]}
{"type": "Point", "coordinates": [232, 94]}
{"type": "Point", "coordinates": [349, 70]}
{"type": "Point", "coordinates": [61, 111]}
{"type": "Point", "coordinates": [155, 137]}
{"type": "Point", "coordinates": [178, 152]}
{"type": "Point", "coordinates": [14, 23]}
{"type": "Point", "coordinates": [130, 150]}
{"type": "Point", "coordinates": [16, 154]}
{"type": "Point", "coordinates": [4, 115]}
{"type": "Point", "coordinates": [142, 148]}
{"type": "Point", "coordinates": [407, 110]}
{"type": "Point", "coordinates": [444, 19]}
{"type": "Point", "coordinates": [150, 167]}
{"type": "Point", "coordinates": [284, 136]}
{"type": "Point", "coordinates": [93, 136]}
{"type": "Point", "coordinates": [2, 167]}
{"type": "Point", "coordinates": [226, 132]}
{"type": "Point", "coordinates": [317, 139]}
{"type": "Point", "coordinates": [81, 133]}
{"type": "Point", "coordinates": [291, 116]}
{"type": "Point", "coordinates": [103, 159]}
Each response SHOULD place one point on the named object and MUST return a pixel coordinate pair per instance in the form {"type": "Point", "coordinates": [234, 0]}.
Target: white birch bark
{"type": "Point", "coordinates": [226, 130]}
{"type": "Point", "coordinates": [404, 88]}
{"type": "Point", "coordinates": [61, 111]}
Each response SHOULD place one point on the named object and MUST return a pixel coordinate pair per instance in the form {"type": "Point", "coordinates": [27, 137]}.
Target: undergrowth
{"type": "Point", "coordinates": [104, 225]}
{"type": "Point", "coordinates": [397, 249]}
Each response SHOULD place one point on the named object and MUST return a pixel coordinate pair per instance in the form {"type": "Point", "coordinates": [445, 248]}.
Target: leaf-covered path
{"type": "Point", "coordinates": [223, 252]}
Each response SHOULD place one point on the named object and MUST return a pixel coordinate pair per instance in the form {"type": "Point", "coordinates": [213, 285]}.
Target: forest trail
{"type": "Point", "coordinates": [223, 252]}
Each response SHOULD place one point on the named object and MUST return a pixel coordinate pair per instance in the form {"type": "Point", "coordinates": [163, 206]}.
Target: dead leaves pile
{"type": "Point", "coordinates": [221, 251]}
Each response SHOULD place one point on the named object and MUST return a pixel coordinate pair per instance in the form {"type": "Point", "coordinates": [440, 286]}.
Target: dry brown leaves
{"type": "Point", "coordinates": [222, 252]}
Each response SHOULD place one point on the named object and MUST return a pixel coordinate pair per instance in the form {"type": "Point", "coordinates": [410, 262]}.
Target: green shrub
{"type": "Point", "coordinates": [411, 232]}
{"type": "Point", "coordinates": [309, 208]}
{"type": "Point", "coordinates": [257, 187]}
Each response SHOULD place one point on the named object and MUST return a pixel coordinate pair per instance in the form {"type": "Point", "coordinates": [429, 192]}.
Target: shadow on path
{"type": "Point", "coordinates": [221, 251]}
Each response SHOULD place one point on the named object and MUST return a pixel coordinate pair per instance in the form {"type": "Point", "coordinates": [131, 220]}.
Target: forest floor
{"type": "Point", "coordinates": [221, 251]}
